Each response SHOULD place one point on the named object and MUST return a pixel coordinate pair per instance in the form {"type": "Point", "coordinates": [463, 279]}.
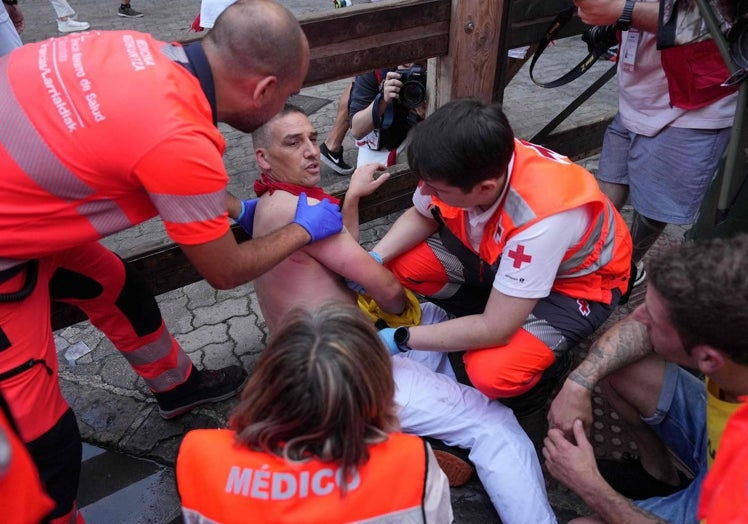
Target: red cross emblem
{"type": "Point", "coordinates": [519, 256]}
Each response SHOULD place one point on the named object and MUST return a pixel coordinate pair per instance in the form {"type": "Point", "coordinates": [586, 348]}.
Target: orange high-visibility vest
{"type": "Point", "coordinates": [544, 183]}
{"type": "Point", "coordinates": [102, 131]}
{"type": "Point", "coordinates": [222, 481]}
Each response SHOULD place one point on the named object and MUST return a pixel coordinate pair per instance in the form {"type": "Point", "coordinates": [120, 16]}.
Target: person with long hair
{"type": "Point", "coordinates": [315, 436]}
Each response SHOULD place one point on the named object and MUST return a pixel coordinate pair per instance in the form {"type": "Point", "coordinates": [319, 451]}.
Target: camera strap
{"type": "Point", "coordinates": [560, 21]}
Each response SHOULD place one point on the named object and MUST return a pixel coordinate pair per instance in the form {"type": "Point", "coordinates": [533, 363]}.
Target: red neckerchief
{"type": "Point", "coordinates": [265, 184]}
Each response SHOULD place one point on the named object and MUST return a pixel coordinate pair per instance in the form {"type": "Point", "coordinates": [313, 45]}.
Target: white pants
{"type": "Point", "coordinates": [432, 403]}
{"type": "Point", "coordinates": [62, 8]}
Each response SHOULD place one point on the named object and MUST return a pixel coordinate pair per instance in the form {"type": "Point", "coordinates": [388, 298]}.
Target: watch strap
{"type": "Point", "coordinates": [624, 23]}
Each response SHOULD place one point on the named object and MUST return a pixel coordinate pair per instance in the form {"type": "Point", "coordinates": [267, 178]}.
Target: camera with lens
{"type": "Point", "coordinates": [413, 91]}
{"type": "Point", "coordinates": [600, 38]}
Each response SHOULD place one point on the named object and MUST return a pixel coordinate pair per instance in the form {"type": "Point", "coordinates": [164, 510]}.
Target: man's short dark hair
{"type": "Point", "coordinates": [705, 285]}
{"type": "Point", "coordinates": [462, 143]}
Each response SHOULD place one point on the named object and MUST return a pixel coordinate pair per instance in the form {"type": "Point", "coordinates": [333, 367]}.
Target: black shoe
{"type": "Point", "coordinates": [202, 386]}
{"type": "Point", "coordinates": [128, 12]}
{"type": "Point", "coordinates": [335, 160]}
{"type": "Point", "coordinates": [629, 478]}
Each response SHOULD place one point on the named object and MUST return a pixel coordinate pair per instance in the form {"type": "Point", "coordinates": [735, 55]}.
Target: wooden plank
{"type": "Point", "coordinates": [469, 67]}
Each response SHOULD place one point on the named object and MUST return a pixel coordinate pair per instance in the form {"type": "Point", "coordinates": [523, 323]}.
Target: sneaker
{"type": "Point", "coordinates": [70, 25]}
{"type": "Point", "coordinates": [335, 160]}
{"type": "Point", "coordinates": [641, 275]}
{"type": "Point", "coordinates": [202, 386]}
{"type": "Point", "coordinates": [629, 478]}
{"type": "Point", "coordinates": [454, 462]}
{"type": "Point", "coordinates": [128, 12]}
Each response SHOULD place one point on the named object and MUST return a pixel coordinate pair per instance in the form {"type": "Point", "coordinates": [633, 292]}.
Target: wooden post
{"type": "Point", "coordinates": [469, 68]}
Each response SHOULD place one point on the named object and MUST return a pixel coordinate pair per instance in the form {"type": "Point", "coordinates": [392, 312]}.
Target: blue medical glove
{"type": "Point", "coordinates": [355, 286]}
{"type": "Point", "coordinates": [320, 221]}
{"type": "Point", "coordinates": [388, 338]}
{"type": "Point", "coordinates": [246, 218]}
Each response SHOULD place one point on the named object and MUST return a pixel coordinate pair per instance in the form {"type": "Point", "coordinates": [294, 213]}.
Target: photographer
{"type": "Point", "coordinates": [385, 105]}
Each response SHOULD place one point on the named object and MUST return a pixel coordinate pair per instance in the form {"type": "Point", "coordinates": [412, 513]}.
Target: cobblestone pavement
{"type": "Point", "coordinates": [218, 328]}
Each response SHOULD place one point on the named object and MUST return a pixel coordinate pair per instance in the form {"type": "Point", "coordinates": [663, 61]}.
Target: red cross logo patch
{"type": "Point", "coordinates": [519, 256]}
{"type": "Point", "coordinates": [584, 307]}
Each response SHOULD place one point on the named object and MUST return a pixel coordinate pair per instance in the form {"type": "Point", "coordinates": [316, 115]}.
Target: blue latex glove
{"type": "Point", "coordinates": [246, 218]}
{"type": "Point", "coordinates": [388, 339]}
{"type": "Point", "coordinates": [355, 286]}
{"type": "Point", "coordinates": [320, 221]}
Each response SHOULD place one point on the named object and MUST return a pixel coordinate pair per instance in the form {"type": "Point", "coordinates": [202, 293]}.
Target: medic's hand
{"type": "Point", "coordinates": [246, 218]}
{"type": "Point", "coordinates": [355, 286]}
{"type": "Point", "coordinates": [320, 221]}
{"type": "Point", "coordinates": [388, 339]}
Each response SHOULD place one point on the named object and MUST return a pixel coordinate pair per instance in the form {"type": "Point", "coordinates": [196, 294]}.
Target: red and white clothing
{"type": "Point", "coordinates": [551, 235]}
{"type": "Point", "coordinates": [80, 160]}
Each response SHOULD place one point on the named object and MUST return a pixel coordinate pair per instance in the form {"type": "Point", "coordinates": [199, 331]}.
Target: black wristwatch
{"type": "Point", "coordinates": [10, 2]}
{"type": "Point", "coordinates": [401, 336]}
{"type": "Point", "coordinates": [624, 22]}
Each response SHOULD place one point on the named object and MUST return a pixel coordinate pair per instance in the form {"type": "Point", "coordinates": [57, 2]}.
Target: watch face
{"type": "Point", "coordinates": [401, 336]}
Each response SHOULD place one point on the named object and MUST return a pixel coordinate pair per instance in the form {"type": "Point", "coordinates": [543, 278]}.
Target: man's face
{"type": "Point", "coordinates": [655, 315]}
{"type": "Point", "coordinates": [454, 196]}
{"type": "Point", "coordinates": [293, 153]}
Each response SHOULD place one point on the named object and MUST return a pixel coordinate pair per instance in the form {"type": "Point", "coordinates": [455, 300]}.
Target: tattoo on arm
{"type": "Point", "coordinates": [621, 345]}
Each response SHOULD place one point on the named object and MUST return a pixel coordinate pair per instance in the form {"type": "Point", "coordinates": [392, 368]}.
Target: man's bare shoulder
{"type": "Point", "coordinates": [276, 210]}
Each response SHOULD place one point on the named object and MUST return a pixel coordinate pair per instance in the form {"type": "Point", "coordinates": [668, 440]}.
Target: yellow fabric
{"type": "Point", "coordinates": [410, 317]}
{"type": "Point", "coordinates": [717, 413]}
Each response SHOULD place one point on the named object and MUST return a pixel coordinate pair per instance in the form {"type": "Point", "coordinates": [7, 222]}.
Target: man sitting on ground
{"type": "Point", "coordinates": [430, 403]}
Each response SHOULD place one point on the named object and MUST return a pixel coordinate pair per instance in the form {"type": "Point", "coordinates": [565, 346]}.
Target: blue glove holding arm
{"type": "Point", "coordinates": [320, 221]}
{"type": "Point", "coordinates": [246, 218]}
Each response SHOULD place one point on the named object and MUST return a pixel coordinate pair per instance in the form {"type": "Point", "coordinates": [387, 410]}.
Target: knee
{"type": "Point", "coordinates": [510, 370]}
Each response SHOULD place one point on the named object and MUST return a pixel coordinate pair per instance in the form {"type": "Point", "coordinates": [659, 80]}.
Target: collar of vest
{"type": "Point", "coordinates": [197, 64]}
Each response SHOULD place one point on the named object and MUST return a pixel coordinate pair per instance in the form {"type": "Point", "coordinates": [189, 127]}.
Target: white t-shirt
{"type": "Point", "coordinates": [530, 260]}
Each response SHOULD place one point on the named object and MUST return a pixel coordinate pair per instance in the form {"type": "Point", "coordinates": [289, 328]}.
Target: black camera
{"type": "Point", "coordinates": [413, 91]}
{"type": "Point", "coordinates": [600, 38]}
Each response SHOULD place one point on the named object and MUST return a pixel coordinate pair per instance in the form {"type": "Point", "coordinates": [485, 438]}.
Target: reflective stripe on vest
{"type": "Point", "coordinates": [596, 260]}
{"type": "Point", "coordinates": [31, 154]}
{"type": "Point", "coordinates": [225, 482]}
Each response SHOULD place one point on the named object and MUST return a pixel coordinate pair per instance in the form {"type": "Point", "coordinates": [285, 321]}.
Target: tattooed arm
{"type": "Point", "coordinates": [626, 342]}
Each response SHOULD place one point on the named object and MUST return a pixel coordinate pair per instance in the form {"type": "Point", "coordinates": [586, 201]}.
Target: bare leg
{"type": "Point", "coordinates": [633, 392]}
{"type": "Point", "coordinates": [334, 140]}
{"type": "Point", "coordinates": [644, 233]}
{"type": "Point", "coordinates": [617, 193]}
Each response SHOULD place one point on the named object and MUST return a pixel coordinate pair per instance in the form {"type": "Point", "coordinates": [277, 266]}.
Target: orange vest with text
{"type": "Point", "coordinates": [544, 183]}
{"type": "Point", "coordinates": [222, 481]}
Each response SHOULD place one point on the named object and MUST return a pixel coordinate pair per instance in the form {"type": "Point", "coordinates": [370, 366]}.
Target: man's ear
{"type": "Point", "coordinates": [261, 159]}
{"type": "Point", "coordinates": [708, 359]}
{"type": "Point", "coordinates": [489, 185]}
{"type": "Point", "coordinates": [264, 89]}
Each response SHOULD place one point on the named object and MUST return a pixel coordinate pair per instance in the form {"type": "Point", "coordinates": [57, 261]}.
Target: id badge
{"type": "Point", "coordinates": [630, 48]}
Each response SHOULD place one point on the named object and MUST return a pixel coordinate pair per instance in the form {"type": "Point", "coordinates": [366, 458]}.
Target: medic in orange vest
{"type": "Point", "coordinates": [515, 240]}
{"type": "Point", "coordinates": [313, 438]}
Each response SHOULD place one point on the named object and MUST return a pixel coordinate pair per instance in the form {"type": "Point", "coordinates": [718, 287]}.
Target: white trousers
{"type": "Point", "coordinates": [62, 8]}
{"type": "Point", "coordinates": [432, 403]}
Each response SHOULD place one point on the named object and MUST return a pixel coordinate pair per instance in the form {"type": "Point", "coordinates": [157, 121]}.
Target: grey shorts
{"type": "Point", "coordinates": [668, 174]}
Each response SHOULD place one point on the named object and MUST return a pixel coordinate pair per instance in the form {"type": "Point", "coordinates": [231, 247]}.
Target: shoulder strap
{"type": "Point", "coordinates": [595, 51]}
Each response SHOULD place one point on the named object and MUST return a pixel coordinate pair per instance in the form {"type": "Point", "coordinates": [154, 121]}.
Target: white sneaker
{"type": "Point", "coordinates": [70, 25]}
